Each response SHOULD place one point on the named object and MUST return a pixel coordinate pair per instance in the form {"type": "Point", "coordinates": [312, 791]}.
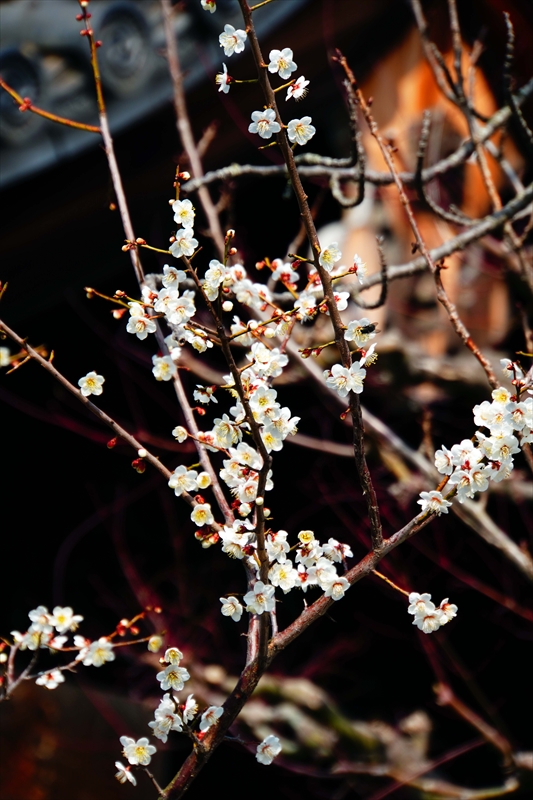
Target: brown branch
{"type": "Point", "coordinates": [102, 416]}
{"type": "Point", "coordinates": [184, 125]}
{"type": "Point", "coordinates": [25, 104]}
{"type": "Point", "coordinates": [314, 166]}
{"type": "Point", "coordinates": [446, 697]}
{"type": "Point", "coordinates": [442, 296]}
{"type": "Point", "coordinates": [307, 219]}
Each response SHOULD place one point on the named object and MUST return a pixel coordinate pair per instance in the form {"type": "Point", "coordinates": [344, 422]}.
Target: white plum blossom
{"type": "Point", "coordinates": [282, 63]}
{"type": "Point", "coordinates": [268, 750]}
{"type": "Point", "coordinates": [137, 752]}
{"type": "Point", "coordinates": [51, 679]}
{"type": "Point", "coordinates": [64, 619]}
{"type": "Point", "coordinates": [173, 655]}
{"type": "Point", "coordinates": [345, 380]}
{"type": "Point", "coordinates": [336, 551]}
{"type": "Point", "coordinates": [427, 617]}
{"type": "Point", "coordinates": [5, 357]}
{"type": "Point", "coordinates": [336, 587]}
{"type": "Point", "coordinates": [172, 276]}
{"type": "Point", "coordinates": [190, 709]}
{"type": "Point", "coordinates": [166, 719]}
{"type": "Point", "coordinates": [260, 599]}
{"type": "Point", "coordinates": [284, 575]}
{"type": "Point", "coordinates": [179, 433]}
{"type": "Point", "coordinates": [173, 677]}
{"type": "Point", "coordinates": [231, 608]}
{"type": "Point", "coordinates": [232, 40]}
{"type": "Point", "coordinates": [138, 323]}
{"type": "Point", "coordinates": [124, 774]}
{"type": "Point", "coordinates": [91, 384]}
{"type": "Point", "coordinates": [223, 80]}
{"type": "Point", "coordinates": [300, 131]}
{"type": "Point", "coordinates": [359, 268]}
{"type": "Point", "coordinates": [434, 501]}
{"type": "Point", "coordinates": [184, 213]}
{"type": "Point", "coordinates": [360, 331]}
{"type": "Point", "coordinates": [264, 123]}
{"type": "Point", "coordinates": [210, 717]}
{"type": "Point", "coordinates": [40, 619]}
{"type": "Point", "coordinates": [202, 515]}
{"type": "Point", "coordinates": [183, 480]}
{"type": "Point", "coordinates": [443, 461]}
{"type": "Point", "coordinates": [329, 256]}
{"type": "Point", "coordinates": [98, 653]}
{"type": "Point", "coordinates": [298, 90]}
{"type": "Point", "coordinates": [209, 5]}
{"type": "Point", "coordinates": [185, 244]}
{"type": "Point", "coordinates": [164, 368]}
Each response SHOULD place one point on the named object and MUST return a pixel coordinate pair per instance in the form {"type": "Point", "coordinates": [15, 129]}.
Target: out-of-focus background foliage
{"type": "Point", "coordinates": [81, 528]}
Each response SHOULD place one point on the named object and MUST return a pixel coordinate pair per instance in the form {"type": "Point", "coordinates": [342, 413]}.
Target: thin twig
{"type": "Point", "coordinates": [25, 104]}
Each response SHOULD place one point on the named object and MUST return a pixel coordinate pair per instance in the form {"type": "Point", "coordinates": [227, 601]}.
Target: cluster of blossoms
{"type": "Point", "coordinates": [343, 379]}
{"type": "Point", "coordinates": [314, 565]}
{"type": "Point", "coordinates": [50, 631]}
{"type": "Point", "coordinates": [281, 62]}
{"type": "Point", "coordinates": [427, 617]}
{"type": "Point", "coordinates": [173, 715]}
{"type": "Point", "coordinates": [470, 465]}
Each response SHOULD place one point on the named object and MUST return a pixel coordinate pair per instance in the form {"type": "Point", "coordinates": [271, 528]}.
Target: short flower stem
{"type": "Point", "coordinates": [260, 5]}
{"type": "Point", "coordinates": [155, 249]}
{"type": "Point", "coordinates": [250, 80]}
{"type": "Point", "coordinates": [394, 586]}
{"type": "Point", "coordinates": [283, 86]}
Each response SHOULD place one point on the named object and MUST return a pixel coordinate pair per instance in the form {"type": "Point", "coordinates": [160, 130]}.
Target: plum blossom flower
{"type": "Point", "coordinates": [232, 40]}
{"type": "Point", "coordinates": [166, 719]}
{"type": "Point", "coordinates": [185, 243]}
{"type": "Point", "coordinates": [300, 131]}
{"type": "Point", "coordinates": [260, 599]}
{"type": "Point", "coordinates": [5, 357]}
{"type": "Point", "coordinates": [268, 750]}
{"type": "Point", "coordinates": [173, 677]}
{"type": "Point", "coordinates": [426, 617]}
{"type": "Point", "coordinates": [137, 752]}
{"type": "Point", "coordinates": [190, 709]}
{"type": "Point", "coordinates": [155, 643]}
{"type": "Point", "coordinates": [183, 213]}
{"type": "Point", "coordinates": [91, 384]}
{"type": "Point", "coordinates": [359, 268]}
{"type": "Point", "coordinates": [173, 655]}
{"type": "Point", "coordinates": [336, 587]}
{"type": "Point", "coordinates": [345, 380]}
{"type": "Point", "coordinates": [172, 275]}
{"type": "Point", "coordinates": [51, 679]}
{"type": "Point", "coordinates": [164, 368]}
{"type": "Point", "coordinates": [434, 501]}
{"type": "Point", "coordinates": [183, 480]}
{"type": "Point", "coordinates": [64, 619]}
{"type": "Point", "coordinates": [179, 433]}
{"type": "Point", "coordinates": [329, 256]}
{"type": "Point", "coordinates": [124, 774]}
{"type": "Point", "coordinates": [282, 63]}
{"type": "Point", "coordinates": [443, 461]}
{"type": "Point", "coordinates": [210, 717]}
{"type": "Point", "coordinates": [209, 5]}
{"type": "Point", "coordinates": [231, 608]}
{"type": "Point", "coordinates": [284, 575]}
{"type": "Point", "coordinates": [202, 515]}
{"type": "Point", "coordinates": [264, 123]}
{"type": "Point", "coordinates": [98, 653]}
{"type": "Point", "coordinates": [138, 323]}
{"type": "Point", "coordinates": [223, 80]}
{"type": "Point", "coordinates": [360, 331]}
{"type": "Point", "coordinates": [449, 611]}
{"type": "Point", "coordinates": [298, 90]}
